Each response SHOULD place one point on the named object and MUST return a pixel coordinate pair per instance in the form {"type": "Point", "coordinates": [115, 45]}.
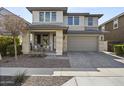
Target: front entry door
{"type": "Point", "coordinates": [39, 39]}
{"type": "Point", "coordinates": [46, 41]}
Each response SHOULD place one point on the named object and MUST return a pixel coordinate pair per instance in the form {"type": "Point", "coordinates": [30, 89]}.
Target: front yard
{"type": "Point", "coordinates": [36, 80]}
{"type": "Point", "coordinates": [34, 62]}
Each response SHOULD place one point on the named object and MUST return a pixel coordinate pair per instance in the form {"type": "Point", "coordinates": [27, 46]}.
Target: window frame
{"type": "Point", "coordinates": [89, 21]}
{"type": "Point", "coordinates": [73, 20]}
{"type": "Point", "coordinates": [40, 16]}
{"type": "Point", "coordinates": [115, 22]}
{"type": "Point", "coordinates": [103, 28]}
{"type": "Point", "coordinates": [52, 16]}
{"type": "Point", "coordinates": [44, 16]}
{"type": "Point", "coordinates": [47, 19]}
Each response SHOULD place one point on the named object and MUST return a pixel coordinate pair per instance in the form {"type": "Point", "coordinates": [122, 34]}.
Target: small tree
{"type": "Point", "coordinates": [15, 26]}
{"type": "Point", "coordinates": [0, 57]}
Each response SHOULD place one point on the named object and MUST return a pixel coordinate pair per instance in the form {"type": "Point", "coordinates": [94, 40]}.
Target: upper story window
{"type": "Point", "coordinates": [53, 16]}
{"type": "Point", "coordinates": [41, 16]}
{"type": "Point", "coordinates": [70, 20]}
{"type": "Point", "coordinates": [73, 20]}
{"type": "Point", "coordinates": [90, 21]}
{"type": "Point", "coordinates": [76, 20]}
{"type": "Point", "coordinates": [47, 16]}
{"type": "Point", "coordinates": [115, 24]}
{"type": "Point", "coordinates": [103, 28]}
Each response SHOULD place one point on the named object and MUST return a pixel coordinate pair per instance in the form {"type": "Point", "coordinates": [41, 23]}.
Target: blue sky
{"type": "Point", "coordinates": [108, 12]}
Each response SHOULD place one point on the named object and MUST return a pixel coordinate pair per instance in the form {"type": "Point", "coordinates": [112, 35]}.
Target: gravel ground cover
{"type": "Point", "coordinates": [34, 62]}
{"type": "Point", "coordinates": [38, 80]}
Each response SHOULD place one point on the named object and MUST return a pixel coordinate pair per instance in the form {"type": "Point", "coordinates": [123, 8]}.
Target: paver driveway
{"type": "Point", "coordinates": [94, 60]}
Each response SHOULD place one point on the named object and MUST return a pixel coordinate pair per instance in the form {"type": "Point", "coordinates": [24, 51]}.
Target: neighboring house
{"type": "Point", "coordinates": [3, 31]}
{"type": "Point", "coordinates": [59, 31]}
{"type": "Point", "coordinates": [115, 26]}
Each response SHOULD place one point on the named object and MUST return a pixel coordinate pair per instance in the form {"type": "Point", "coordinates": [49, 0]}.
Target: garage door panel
{"type": "Point", "coordinates": [82, 43]}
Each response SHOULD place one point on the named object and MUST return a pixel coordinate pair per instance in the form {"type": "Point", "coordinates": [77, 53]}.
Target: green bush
{"type": "Point", "coordinates": [11, 51]}
{"type": "Point", "coordinates": [5, 42]}
{"type": "Point", "coordinates": [119, 49]}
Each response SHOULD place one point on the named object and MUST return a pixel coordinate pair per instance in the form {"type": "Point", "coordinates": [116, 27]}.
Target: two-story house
{"type": "Point", "coordinates": [115, 26]}
{"type": "Point", "coordinates": [59, 31]}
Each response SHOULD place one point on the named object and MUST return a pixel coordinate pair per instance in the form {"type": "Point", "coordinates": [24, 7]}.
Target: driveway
{"type": "Point", "coordinates": [90, 60]}
{"type": "Point", "coordinates": [95, 81]}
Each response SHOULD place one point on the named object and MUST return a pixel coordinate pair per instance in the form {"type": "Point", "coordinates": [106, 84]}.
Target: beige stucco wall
{"type": "Point", "coordinates": [35, 17]}
{"type": "Point", "coordinates": [103, 45]}
{"type": "Point", "coordinates": [65, 43]}
{"type": "Point", "coordinates": [25, 43]}
{"type": "Point", "coordinates": [59, 42]}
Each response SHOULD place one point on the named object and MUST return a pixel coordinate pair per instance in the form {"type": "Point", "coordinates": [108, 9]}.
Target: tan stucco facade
{"type": "Point", "coordinates": [25, 43]}
{"type": "Point", "coordinates": [59, 41]}
{"type": "Point", "coordinates": [95, 41]}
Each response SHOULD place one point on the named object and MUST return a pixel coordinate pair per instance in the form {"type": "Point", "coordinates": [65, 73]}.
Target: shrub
{"type": "Point", "coordinates": [112, 43]}
{"type": "Point", "coordinates": [11, 51]}
{"type": "Point", "coordinates": [19, 78]}
{"type": "Point", "coordinates": [119, 49]}
{"type": "Point", "coordinates": [5, 42]}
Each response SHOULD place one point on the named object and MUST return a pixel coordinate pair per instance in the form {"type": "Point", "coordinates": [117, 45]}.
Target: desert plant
{"type": "Point", "coordinates": [19, 78]}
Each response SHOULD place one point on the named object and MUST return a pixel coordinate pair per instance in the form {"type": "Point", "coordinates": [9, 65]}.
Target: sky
{"type": "Point", "coordinates": [108, 12]}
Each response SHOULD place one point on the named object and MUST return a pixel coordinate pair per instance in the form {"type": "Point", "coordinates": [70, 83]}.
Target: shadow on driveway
{"type": "Point", "coordinates": [93, 60]}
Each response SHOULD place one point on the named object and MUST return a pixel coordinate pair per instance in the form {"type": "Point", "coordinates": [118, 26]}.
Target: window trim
{"type": "Point", "coordinates": [90, 21]}
{"type": "Point", "coordinates": [52, 16]}
{"type": "Point", "coordinates": [103, 27]}
{"type": "Point", "coordinates": [73, 20]}
{"type": "Point", "coordinates": [115, 22]}
{"type": "Point", "coordinates": [40, 16]}
{"type": "Point", "coordinates": [44, 20]}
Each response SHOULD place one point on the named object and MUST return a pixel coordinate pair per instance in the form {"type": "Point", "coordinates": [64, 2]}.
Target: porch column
{"type": "Point", "coordinates": [25, 43]}
{"type": "Point", "coordinates": [59, 42]}
{"type": "Point", "coordinates": [32, 39]}
{"type": "Point", "coordinates": [51, 41]}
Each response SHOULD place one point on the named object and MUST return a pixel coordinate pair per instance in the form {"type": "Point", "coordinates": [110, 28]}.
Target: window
{"type": "Point", "coordinates": [70, 20]}
{"type": "Point", "coordinates": [115, 24]}
{"type": "Point", "coordinates": [76, 20]}
{"type": "Point", "coordinates": [103, 28]}
{"type": "Point", "coordinates": [47, 16]}
{"type": "Point", "coordinates": [41, 16]}
{"type": "Point", "coordinates": [90, 21]}
{"type": "Point", "coordinates": [73, 20]}
{"type": "Point", "coordinates": [53, 16]}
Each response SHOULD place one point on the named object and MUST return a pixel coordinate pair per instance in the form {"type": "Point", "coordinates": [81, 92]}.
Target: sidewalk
{"type": "Point", "coordinates": [9, 71]}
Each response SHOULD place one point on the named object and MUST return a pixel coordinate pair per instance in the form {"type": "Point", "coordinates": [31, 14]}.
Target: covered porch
{"type": "Point", "coordinates": [44, 39]}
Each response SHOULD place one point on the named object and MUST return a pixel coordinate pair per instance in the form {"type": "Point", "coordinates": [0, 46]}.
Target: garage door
{"type": "Point", "coordinates": [82, 43]}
